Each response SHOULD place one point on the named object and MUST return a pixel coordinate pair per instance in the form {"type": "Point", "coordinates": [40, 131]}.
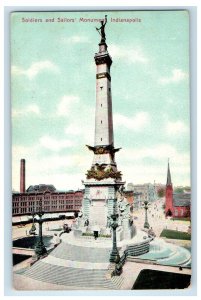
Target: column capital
{"type": "Point", "coordinates": [103, 58]}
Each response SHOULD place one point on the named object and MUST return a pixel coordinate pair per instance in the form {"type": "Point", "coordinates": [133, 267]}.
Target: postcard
{"type": "Point", "coordinates": [101, 191]}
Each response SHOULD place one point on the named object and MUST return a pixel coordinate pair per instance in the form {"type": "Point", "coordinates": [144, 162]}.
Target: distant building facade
{"type": "Point", "coordinates": [146, 191]}
{"type": "Point", "coordinates": [136, 196]}
{"type": "Point", "coordinates": [52, 200]}
{"type": "Point", "coordinates": [176, 204]}
{"type": "Point", "coordinates": [138, 201]}
{"type": "Point", "coordinates": [27, 201]}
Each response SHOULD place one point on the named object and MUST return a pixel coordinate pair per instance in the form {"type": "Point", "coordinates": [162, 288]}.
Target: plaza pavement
{"type": "Point", "coordinates": [157, 220]}
{"type": "Point", "coordinates": [18, 231]}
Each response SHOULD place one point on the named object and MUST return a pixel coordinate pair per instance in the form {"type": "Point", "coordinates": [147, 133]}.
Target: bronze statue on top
{"type": "Point", "coordinates": [101, 30]}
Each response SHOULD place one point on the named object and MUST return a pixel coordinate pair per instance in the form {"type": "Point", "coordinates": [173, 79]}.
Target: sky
{"type": "Point", "coordinates": [53, 79]}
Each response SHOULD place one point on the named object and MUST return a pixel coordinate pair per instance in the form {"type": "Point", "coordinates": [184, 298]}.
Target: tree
{"type": "Point", "coordinates": [161, 192]}
{"type": "Point", "coordinates": [179, 190]}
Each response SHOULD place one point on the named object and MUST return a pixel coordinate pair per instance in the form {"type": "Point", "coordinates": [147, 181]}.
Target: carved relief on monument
{"type": "Point", "coordinates": [104, 149]}
{"type": "Point", "coordinates": [100, 172]}
{"type": "Point", "coordinates": [99, 193]}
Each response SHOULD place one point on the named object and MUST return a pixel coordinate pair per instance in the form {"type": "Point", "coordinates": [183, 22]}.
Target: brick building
{"type": "Point", "coordinates": [176, 204]}
{"type": "Point", "coordinates": [27, 201]}
{"type": "Point", "coordinates": [52, 200]}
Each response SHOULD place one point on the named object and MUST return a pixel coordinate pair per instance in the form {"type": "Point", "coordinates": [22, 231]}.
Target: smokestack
{"type": "Point", "coordinates": [22, 176]}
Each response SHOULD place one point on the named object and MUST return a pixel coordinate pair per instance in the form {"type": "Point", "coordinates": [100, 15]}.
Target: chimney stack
{"type": "Point", "coordinates": [22, 176]}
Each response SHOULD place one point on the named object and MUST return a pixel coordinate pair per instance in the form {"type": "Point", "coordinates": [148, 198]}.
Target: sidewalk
{"type": "Point", "coordinates": [19, 232]}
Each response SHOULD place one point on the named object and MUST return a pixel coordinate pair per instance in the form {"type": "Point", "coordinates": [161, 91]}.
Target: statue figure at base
{"type": "Point", "coordinates": [123, 206]}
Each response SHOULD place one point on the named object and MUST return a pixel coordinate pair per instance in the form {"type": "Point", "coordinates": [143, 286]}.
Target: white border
{"type": "Point", "coordinates": [106, 4]}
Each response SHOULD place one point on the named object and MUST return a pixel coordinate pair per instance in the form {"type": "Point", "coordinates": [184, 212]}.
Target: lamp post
{"type": "Point", "coordinates": [146, 206]}
{"type": "Point", "coordinates": [114, 256]}
{"type": "Point", "coordinates": [40, 247]}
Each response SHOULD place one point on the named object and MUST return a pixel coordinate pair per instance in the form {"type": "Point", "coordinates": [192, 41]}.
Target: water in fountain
{"type": "Point", "coordinates": [167, 254]}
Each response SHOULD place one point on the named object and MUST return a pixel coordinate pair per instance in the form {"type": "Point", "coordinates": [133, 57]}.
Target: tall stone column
{"type": "Point", "coordinates": [103, 118]}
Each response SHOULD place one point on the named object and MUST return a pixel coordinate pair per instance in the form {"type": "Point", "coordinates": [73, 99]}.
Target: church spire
{"type": "Point", "coordinates": [169, 182]}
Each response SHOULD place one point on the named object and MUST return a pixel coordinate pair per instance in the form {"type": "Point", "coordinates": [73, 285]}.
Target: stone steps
{"type": "Point", "coordinates": [138, 249]}
{"type": "Point", "coordinates": [92, 278]}
{"type": "Point", "coordinates": [21, 271]}
{"type": "Point", "coordinates": [82, 254]}
{"type": "Point", "coordinates": [118, 281]}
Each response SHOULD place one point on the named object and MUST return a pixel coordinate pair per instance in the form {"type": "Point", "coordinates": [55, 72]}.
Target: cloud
{"type": "Point", "coordinates": [66, 103]}
{"type": "Point", "coordinates": [54, 144]}
{"type": "Point", "coordinates": [83, 128]}
{"type": "Point", "coordinates": [61, 180]}
{"type": "Point", "coordinates": [75, 39]}
{"type": "Point", "coordinates": [141, 173]}
{"type": "Point", "coordinates": [54, 162]}
{"type": "Point", "coordinates": [30, 109]}
{"type": "Point", "coordinates": [157, 152]}
{"type": "Point", "coordinates": [146, 164]}
{"type": "Point", "coordinates": [176, 128]}
{"type": "Point", "coordinates": [74, 129]}
{"type": "Point", "coordinates": [129, 54]}
{"type": "Point", "coordinates": [52, 168]}
{"type": "Point", "coordinates": [20, 151]}
{"type": "Point", "coordinates": [135, 123]}
{"type": "Point", "coordinates": [34, 69]}
{"type": "Point", "coordinates": [176, 76]}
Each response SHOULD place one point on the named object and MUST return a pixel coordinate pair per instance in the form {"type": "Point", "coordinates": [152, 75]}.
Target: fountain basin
{"type": "Point", "coordinates": [169, 254]}
{"type": "Point", "coordinates": [31, 241]}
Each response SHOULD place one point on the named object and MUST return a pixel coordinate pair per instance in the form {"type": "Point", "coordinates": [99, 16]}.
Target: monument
{"type": "Point", "coordinates": [103, 184]}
